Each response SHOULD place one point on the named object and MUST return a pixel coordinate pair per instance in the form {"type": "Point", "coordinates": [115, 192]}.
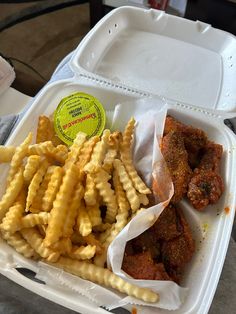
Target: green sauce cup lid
{"type": "Point", "coordinates": [79, 112]}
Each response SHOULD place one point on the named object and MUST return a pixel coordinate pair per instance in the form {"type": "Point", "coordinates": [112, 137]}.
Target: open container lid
{"type": "Point", "coordinates": [157, 53]}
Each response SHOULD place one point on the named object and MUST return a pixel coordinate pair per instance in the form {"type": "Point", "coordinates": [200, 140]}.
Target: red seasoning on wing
{"type": "Point", "coordinates": [206, 186]}
{"type": "Point", "coordinates": [176, 157]}
{"type": "Point", "coordinates": [194, 139]}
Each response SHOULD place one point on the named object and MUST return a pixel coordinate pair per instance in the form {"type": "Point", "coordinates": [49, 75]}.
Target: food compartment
{"type": "Point", "coordinates": [165, 55]}
{"type": "Point", "coordinates": [211, 229]}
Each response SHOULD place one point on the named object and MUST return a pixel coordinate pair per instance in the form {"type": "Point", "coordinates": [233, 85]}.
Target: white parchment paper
{"type": "Point", "coordinates": [150, 117]}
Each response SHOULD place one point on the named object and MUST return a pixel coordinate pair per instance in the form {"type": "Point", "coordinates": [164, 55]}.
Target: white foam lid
{"type": "Point", "coordinates": [148, 50]}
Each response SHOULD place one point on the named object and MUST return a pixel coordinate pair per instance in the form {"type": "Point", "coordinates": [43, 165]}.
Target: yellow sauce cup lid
{"type": "Point", "coordinates": [79, 112]}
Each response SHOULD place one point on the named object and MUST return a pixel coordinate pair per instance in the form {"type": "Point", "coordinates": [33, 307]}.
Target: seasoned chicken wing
{"type": "Point", "coordinates": [194, 139]}
{"type": "Point", "coordinates": [176, 158]}
{"type": "Point", "coordinates": [142, 266]}
{"type": "Point", "coordinates": [206, 185]}
{"type": "Point", "coordinates": [178, 251]}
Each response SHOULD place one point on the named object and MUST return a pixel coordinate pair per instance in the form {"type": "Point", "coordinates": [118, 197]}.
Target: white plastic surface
{"type": "Point", "coordinates": [12, 101]}
{"type": "Point", "coordinates": [148, 50]}
{"type": "Point", "coordinates": [211, 228]}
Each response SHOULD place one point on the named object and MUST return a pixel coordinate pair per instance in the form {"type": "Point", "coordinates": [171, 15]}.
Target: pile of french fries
{"type": "Point", "coordinates": [65, 205]}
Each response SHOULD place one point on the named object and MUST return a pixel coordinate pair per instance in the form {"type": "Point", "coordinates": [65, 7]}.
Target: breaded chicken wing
{"type": "Point", "coordinates": [178, 251]}
{"type": "Point", "coordinates": [176, 158]}
{"type": "Point", "coordinates": [206, 185]}
{"type": "Point", "coordinates": [194, 139]}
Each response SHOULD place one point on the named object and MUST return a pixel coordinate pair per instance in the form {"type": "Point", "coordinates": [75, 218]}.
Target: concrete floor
{"type": "Point", "coordinates": [41, 42]}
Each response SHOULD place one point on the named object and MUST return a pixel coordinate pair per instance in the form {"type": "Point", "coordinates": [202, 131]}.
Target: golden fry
{"type": "Point", "coordinates": [35, 184]}
{"type": "Point", "coordinates": [32, 220]}
{"type": "Point", "coordinates": [37, 201]}
{"type": "Point", "coordinates": [112, 151]}
{"type": "Point", "coordinates": [85, 154]}
{"type": "Point", "coordinates": [33, 237]}
{"type": "Point", "coordinates": [17, 159]}
{"type": "Point", "coordinates": [75, 149]}
{"type": "Point", "coordinates": [6, 153]}
{"type": "Point", "coordinates": [32, 165]}
{"type": "Point", "coordinates": [52, 189]}
{"type": "Point", "coordinates": [60, 206]}
{"type": "Point", "coordinates": [12, 221]}
{"type": "Point", "coordinates": [64, 246]}
{"type": "Point", "coordinates": [83, 252]}
{"type": "Point", "coordinates": [94, 214]}
{"type": "Point", "coordinates": [98, 153]}
{"type": "Point", "coordinates": [83, 222]}
{"type": "Point", "coordinates": [105, 277]}
{"type": "Point", "coordinates": [131, 193]}
{"type": "Point", "coordinates": [11, 193]}
{"type": "Point", "coordinates": [44, 130]}
{"type": "Point", "coordinates": [104, 187]}
{"type": "Point", "coordinates": [91, 193]}
{"type": "Point", "coordinates": [20, 245]}
{"type": "Point", "coordinates": [72, 213]}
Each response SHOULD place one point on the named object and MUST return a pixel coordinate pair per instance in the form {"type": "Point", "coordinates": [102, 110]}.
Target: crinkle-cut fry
{"type": "Point", "coordinates": [72, 213]}
{"type": "Point", "coordinates": [143, 199]}
{"type": "Point", "coordinates": [109, 158]}
{"type": "Point", "coordinates": [105, 234]}
{"type": "Point", "coordinates": [83, 252]}
{"type": "Point", "coordinates": [122, 201]}
{"type": "Point", "coordinates": [85, 154]}
{"type": "Point", "coordinates": [131, 193]}
{"type": "Point", "coordinates": [11, 193]}
{"type": "Point", "coordinates": [90, 239]}
{"type": "Point", "coordinates": [138, 183]}
{"type": "Point", "coordinates": [102, 227]}
{"type": "Point", "coordinates": [128, 133]}
{"type": "Point", "coordinates": [84, 224]}
{"type": "Point", "coordinates": [59, 153]}
{"type": "Point", "coordinates": [109, 235]}
{"type": "Point", "coordinates": [6, 153]}
{"type": "Point", "coordinates": [90, 193]}
{"type": "Point", "coordinates": [21, 197]}
{"type": "Point", "coordinates": [17, 159]}
{"type": "Point", "coordinates": [100, 260]}
{"type": "Point", "coordinates": [31, 166]}
{"type": "Point", "coordinates": [94, 214]}
{"type": "Point", "coordinates": [98, 153]}
{"type": "Point", "coordinates": [37, 201]}
{"type": "Point", "coordinates": [126, 157]}
{"type": "Point", "coordinates": [12, 221]}
{"type": "Point", "coordinates": [101, 178]}
{"type": "Point", "coordinates": [113, 141]}
{"type": "Point", "coordinates": [52, 188]}
{"type": "Point", "coordinates": [106, 278]}
{"type": "Point", "coordinates": [41, 149]}
{"type": "Point", "coordinates": [44, 130]}
{"type": "Point", "coordinates": [64, 245]}
{"type": "Point", "coordinates": [35, 184]}
{"type": "Point", "coordinates": [20, 244]}
{"type": "Point", "coordinates": [32, 220]}
{"type": "Point", "coordinates": [35, 240]}
{"type": "Point", "coordinates": [60, 206]}
{"type": "Point", "coordinates": [75, 149]}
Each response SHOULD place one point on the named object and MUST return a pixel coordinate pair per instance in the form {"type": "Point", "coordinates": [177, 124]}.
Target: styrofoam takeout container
{"type": "Point", "coordinates": [132, 53]}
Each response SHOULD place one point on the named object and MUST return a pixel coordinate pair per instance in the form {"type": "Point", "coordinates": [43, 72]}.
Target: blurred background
{"type": "Point", "coordinates": [36, 35]}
